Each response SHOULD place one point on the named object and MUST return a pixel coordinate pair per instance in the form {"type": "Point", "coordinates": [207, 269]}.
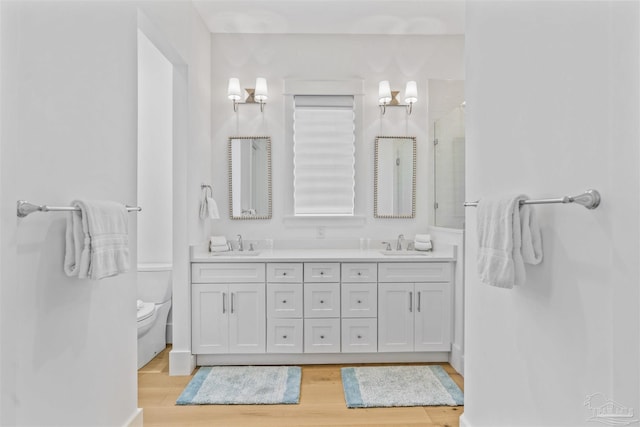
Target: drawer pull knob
{"type": "Point", "coordinates": [359, 336]}
{"type": "Point", "coordinates": [321, 337]}
{"type": "Point", "coordinates": [284, 336]}
{"type": "Point", "coordinates": [284, 274]}
{"type": "Point", "coordinates": [322, 273]}
{"type": "Point", "coordinates": [284, 301]}
{"type": "Point", "coordinates": [359, 273]}
{"type": "Point", "coordinates": [359, 302]}
{"type": "Point", "coordinates": [321, 301]}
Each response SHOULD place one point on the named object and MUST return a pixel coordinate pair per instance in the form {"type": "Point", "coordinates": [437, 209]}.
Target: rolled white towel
{"type": "Point", "coordinates": [423, 238]}
{"type": "Point", "coordinates": [423, 246]}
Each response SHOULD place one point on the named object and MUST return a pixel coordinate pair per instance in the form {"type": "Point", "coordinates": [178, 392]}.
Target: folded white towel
{"type": "Point", "coordinates": [218, 248]}
{"type": "Point", "coordinates": [217, 241]}
{"type": "Point", "coordinates": [502, 223]}
{"type": "Point", "coordinates": [97, 240]}
{"type": "Point", "coordinates": [422, 246]}
{"type": "Point", "coordinates": [424, 238]}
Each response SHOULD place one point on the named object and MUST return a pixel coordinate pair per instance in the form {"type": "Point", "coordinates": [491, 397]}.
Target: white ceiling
{"type": "Point", "coordinates": [420, 17]}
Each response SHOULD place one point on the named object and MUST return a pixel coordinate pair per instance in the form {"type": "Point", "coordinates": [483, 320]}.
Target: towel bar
{"type": "Point", "coordinates": [590, 199]}
{"type": "Point", "coordinates": [25, 208]}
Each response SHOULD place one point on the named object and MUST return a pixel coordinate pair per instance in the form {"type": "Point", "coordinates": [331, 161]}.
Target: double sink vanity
{"type": "Point", "coordinates": [321, 305]}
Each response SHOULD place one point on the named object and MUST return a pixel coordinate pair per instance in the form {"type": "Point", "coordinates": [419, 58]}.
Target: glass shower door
{"type": "Point", "coordinates": [449, 163]}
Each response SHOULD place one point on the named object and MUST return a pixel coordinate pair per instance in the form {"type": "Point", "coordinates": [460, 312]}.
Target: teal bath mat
{"type": "Point", "coordinates": [387, 386]}
{"type": "Point", "coordinates": [243, 385]}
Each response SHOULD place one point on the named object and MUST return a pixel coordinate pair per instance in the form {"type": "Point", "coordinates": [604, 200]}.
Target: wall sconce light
{"type": "Point", "coordinates": [257, 95]}
{"type": "Point", "coordinates": [388, 98]}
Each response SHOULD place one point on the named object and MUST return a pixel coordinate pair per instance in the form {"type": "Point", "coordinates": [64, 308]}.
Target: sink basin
{"type": "Point", "coordinates": [405, 253]}
{"type": "Point", "coordinates": [235, 253]}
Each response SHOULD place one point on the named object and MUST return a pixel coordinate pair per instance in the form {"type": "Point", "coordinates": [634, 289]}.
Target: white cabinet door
{"type": "Point", "coordinates": [209, 328]}
{"type": "Point", "coordinates": [433, 317]}
{"type": "Point", "coordinates": [247, 318]}
{"type": "Point", "coordinates": [395, 317]}
{"type": "Point", "coordinates": [322, 335]}
{"type": "Point", "coordinates": [284, 300]}
{"type": "Point", "coordinates": [284, 335]}
{"type": "Point", "coordinates": [359, 335]}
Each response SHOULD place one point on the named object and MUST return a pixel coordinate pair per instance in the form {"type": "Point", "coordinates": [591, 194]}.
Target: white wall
{"type": "Point", "coordinates": [552, 109]}
{"type": "Point", "coordinates": [326, 57]}
{"type": "Point", "coordinates": [155, 154]}
{"type": "Point", "coordinates": [69, 131]}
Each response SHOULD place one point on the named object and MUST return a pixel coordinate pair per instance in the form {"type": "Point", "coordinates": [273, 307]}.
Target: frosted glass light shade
{"type": "Point", "coordinates": [411, 93]}
{"type": "Point", "coordinates": [261, 94]}
{"type": "Point", "coordinates": [384, 92]}
{"type": "Point", "coordinates": [233, 91]}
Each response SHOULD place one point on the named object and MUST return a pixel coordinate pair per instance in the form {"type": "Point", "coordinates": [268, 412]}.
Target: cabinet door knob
{"type": "Point", "coordinates": [284, 274]}
{"type": "Point", "coordinates": [359, 336]}
{"type": "Point", "coordinates": [359, 302]}
{"type": "Point", "coordinates": [359, 273]}
{"type": "Point", "coordinates": [321, 337]}
{"type": "Point", "coordinates": [284, 301]}
{"type": "Point", "coordinates": [321, 301]}
{"type": "Point", "coordinates": [322, 273]}
{"type": "Point", "coordinates": [284, 336]}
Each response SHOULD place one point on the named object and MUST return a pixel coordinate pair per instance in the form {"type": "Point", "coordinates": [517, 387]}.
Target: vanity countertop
{"type": "Point", "coordinates": [444, 254]}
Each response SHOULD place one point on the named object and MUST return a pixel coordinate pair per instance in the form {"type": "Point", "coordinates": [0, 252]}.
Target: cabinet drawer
{"type": "Point", "coordinates": [284, 336]}
{"type": "Point", "coordinates": [359, 335]}
{"type": "Point", "coordinates": [321, 300]}
{"type": "Point", "coordinates": [321, 272]}
{"type": "Point", "coordinates": [284, 300]}
{"type": "Point", "coordinates": [238, 272]}
{"type": "Point", "coordinates": [284, 272]}
{"type": "Point", "coordinates": [322, 335]}
{"type": "Point", "coordinates": [359, 299]}
{"type": "Point", "coordinates": [359, 272]}
{"type": "Point", "coordinates": [414, 272]}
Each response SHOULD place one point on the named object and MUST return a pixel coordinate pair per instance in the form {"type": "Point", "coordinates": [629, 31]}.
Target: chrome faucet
{"type": "Point", "coordinates": [399, 243]}
{"type": "Point", "coordinates": [388, 247]}
{"type": "Point", "coordinates": [240, 245]}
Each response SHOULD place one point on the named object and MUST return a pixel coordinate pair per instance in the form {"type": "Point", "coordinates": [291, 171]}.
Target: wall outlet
{"type": "Point", "coordinates": [321, 232]}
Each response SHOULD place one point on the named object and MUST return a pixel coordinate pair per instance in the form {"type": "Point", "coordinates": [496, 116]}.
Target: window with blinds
{"type": "Point", "coordinates": [324, 155]}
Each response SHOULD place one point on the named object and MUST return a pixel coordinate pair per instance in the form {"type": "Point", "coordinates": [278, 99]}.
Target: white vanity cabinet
{"type": "Point", "coordinates": [284, 308]}
{"type": "Point", "coordinates": [321, 307]}
{"type": "Point", "coordinates": [359, 296]}
{"type": "Point", "coordinates": [228, 308]}
{"type": "Point", "coordinates": [414, 307]}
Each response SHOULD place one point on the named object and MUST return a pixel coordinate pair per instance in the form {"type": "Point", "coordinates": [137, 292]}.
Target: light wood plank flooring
{"type": "Point", "coordinates": [321, 404]}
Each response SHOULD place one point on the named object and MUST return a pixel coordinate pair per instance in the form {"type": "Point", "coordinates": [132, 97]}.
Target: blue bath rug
{"type": "Point", "coordinates": [243, 385]}
{"type": "Point", "coordinates": [387, 386]}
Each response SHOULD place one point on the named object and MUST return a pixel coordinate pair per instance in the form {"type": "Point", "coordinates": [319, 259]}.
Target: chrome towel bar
{"type": "Point", "coordinates": [25, 208]}
{"type": "Point", "coordinates": [590, 199]}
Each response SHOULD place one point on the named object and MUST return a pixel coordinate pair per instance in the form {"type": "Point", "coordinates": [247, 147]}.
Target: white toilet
{"type": "Point", "coordinates": [154, 303]}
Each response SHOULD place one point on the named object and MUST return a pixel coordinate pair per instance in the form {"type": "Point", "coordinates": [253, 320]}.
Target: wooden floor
{"type": "Point", "coordinates": [321, 404]}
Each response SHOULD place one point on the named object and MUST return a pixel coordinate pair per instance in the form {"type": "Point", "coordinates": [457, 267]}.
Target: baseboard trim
{"type": "Point", "coordinates": [457, 359]}
{"type": "Point", "coordinates": [136, 419]}
{"type": "Point", "coordinates": [463, 421]}
{"type": "Point", "coordinates": [320, 358]}
{"type": "Point", "coordinates": [181, 362]}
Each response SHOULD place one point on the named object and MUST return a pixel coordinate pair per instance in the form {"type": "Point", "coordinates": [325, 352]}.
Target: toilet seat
{"type": "Point", "coordinates": [147, 310]}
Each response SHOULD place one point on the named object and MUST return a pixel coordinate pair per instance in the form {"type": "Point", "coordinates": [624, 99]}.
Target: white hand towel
{"type": "Point", "coordinates": [217, 241]}
{"type": "Point", "coordinates": [219, 248]}
{"type": "Point", "coordinates": [422, 246]}
{"type": "Point", "coordinates": [424, 238]}
{"type": "Point", "coordinates": [500, 232]}
{"type": "Point", "coordinates": [208, 206]}
{"type": "Point", "coordinates": [105, 240]}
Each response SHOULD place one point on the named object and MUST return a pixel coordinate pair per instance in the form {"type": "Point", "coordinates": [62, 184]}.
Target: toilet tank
{"type": "Point", "coordinates": [154, 282]}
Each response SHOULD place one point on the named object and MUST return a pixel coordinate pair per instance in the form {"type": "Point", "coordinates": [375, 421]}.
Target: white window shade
{"type": "Point", "coordinates": [324, 160]}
